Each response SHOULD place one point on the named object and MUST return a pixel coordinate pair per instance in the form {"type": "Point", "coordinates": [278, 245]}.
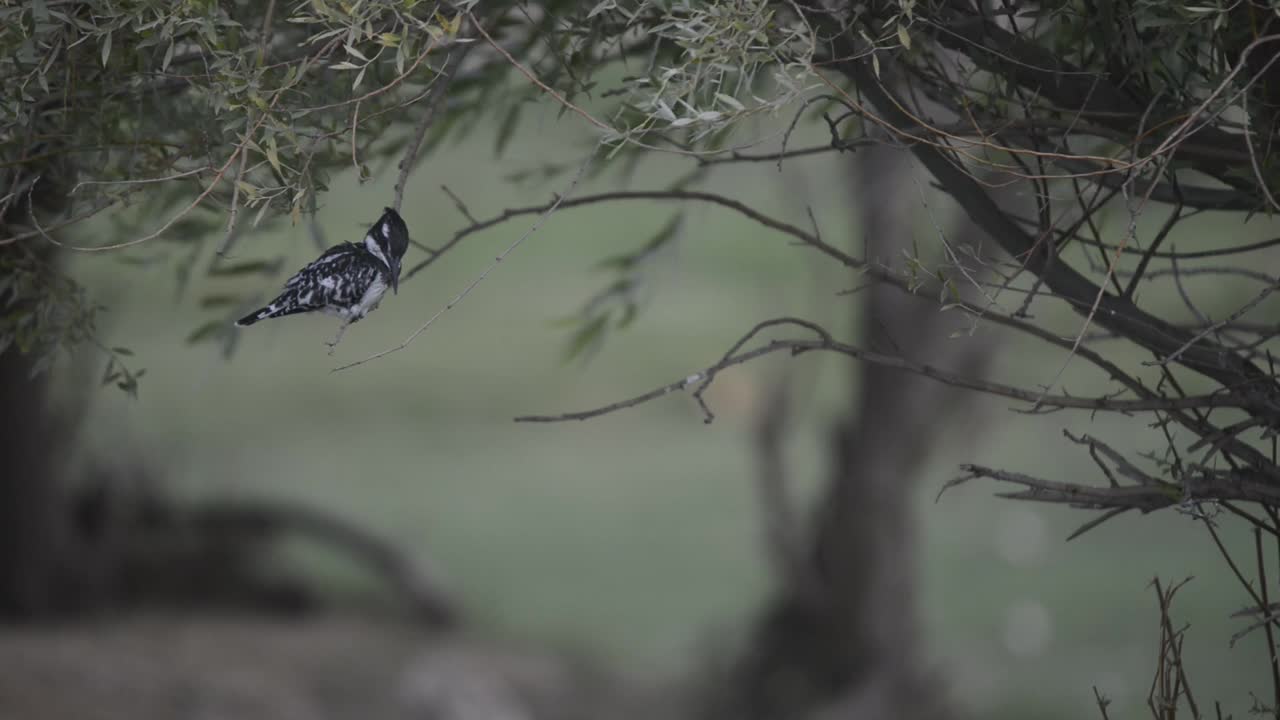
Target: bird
{"type": "Point", "coordinates": [348, 280]}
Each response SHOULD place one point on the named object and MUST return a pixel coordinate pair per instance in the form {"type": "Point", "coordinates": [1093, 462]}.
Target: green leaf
{"type": "Point", "coordinates": [273, 155]}
{"type": "Point", "coordinates": [207, 331]}
{"type": "Point", "coordinates": [627, 261]}
{"type": "Point", "coordinates": [588, 337]}
{"type": "Point", "coordinates": [507, 129]}
{"type": "Point", "coordinates": [265, 267]}
{"type": "Point", "coordinates": [219, 300]}
{"type": "Point", "coordinates": [731, 102]}
{"type": "Point", "coordinates": [629, 313]}
{"type": "Point", "coordinates": [109, 373]}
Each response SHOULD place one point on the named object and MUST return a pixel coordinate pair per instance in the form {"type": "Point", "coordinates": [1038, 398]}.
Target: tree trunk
{"type": "Point", "coordinates": [841, 639]}
{"type": "Point", "coordinates": [29, 517]}
{"type": "Point", "coordinates": [31, 514]}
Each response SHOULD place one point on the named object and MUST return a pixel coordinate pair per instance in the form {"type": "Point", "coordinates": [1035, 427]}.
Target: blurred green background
{"type": "Point", "coordinates": [635, 536]}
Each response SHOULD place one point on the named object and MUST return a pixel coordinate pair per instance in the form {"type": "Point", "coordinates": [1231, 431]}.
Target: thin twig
{"type": "Point", "coordinates": [1235, 569]}
{"type": "Point", "coordinates": [1103, 702]}
{"type": "Point", "coordinates": [241, 148]}
{"type": "Point", "coordinates": [1263, 295]}
{"type": "Point", "coordinates": [225, 246]}
{"type": "Point", "coordinates": [534, 78]}
{"type": "Point", "coordinates": [264, 45]}
{"type": "Point", "coordinates": [143, 181]}
{"type": "Point", "coordinates": [1266, 602]}
{"type": "Point", "coordinates": [686, 195]}
{"type": "Point", "coordinates": [704, 377]}
{"type": "Point", "coordinates": [462, 207]}
{"type": "Point", "coordinates": [439, 90]}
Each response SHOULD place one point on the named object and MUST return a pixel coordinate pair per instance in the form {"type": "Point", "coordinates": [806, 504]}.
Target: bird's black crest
{"type": "Point", "coordinates": [391, 226]}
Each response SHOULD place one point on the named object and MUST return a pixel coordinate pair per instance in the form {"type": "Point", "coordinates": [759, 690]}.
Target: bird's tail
{"type": "Point", "coordinates": [271, 311]}
{"type": "Point", "coordinates": [254, 317]}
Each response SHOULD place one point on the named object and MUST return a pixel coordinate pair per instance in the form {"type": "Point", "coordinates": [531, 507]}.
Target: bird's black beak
{"type": "Point", "coordinates": [395, 277]}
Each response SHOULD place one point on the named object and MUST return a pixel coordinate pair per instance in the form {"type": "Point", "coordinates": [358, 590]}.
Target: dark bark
{"type": "Point", "coordinates": [843, 637]}
{"type": "Point", "coordinates": [29, 494]}
{"type": "Point", "coordinates": [31, 437]}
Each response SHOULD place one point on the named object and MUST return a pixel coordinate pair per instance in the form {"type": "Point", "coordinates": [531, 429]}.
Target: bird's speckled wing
{"type": "Point", "coordinates": [336, 282]}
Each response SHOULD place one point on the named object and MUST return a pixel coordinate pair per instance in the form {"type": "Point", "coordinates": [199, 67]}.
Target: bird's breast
{"type": "Point", "coordinates": [372, 295]}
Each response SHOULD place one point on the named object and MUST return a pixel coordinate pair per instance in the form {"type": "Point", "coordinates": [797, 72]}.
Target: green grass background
{"type": "Point", "coordinates": [635, 536]}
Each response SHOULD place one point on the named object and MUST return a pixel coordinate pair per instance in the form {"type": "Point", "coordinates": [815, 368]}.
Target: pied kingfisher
{"type": "Point", "coordinates": [348, 280]}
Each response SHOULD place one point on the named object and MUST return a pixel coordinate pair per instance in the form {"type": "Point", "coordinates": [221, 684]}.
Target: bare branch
{"type": "Point", "coordinates": [1144, 498]}
{"type": "Point", "coordinates": [1203, 334]}
{"type": "Point", "coordinates": [430, 108]}
{"type": "Point", "coordinates": [1097, 521]}
{"type": "Point", "coordinates": [678, 195]}
{"type": "Point", "coordinates": [534, 79]}
{"type": "Point", "coordinates": [706, 376]}
{"type": "Point", "coordinates": [1195, 487]}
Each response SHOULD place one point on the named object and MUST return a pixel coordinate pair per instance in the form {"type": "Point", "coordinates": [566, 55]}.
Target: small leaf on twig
{"type": "Point", "coordinates": [207, 331]}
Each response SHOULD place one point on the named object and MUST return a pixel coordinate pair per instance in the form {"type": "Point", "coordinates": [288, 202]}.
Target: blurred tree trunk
{"type": "Point", "coordinates": [32, 513]}
{"type": "Point", "coordinates": [841, 638]}
{"type": "Point", "coordinates": [29, 512]}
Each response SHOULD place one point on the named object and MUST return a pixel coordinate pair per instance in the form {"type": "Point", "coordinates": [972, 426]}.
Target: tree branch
{"type": "Point", "coordinates": [878, 272]}
{"type": "Point", "coordinates": [1113, 312]}
{"type": "Point", "coordinates": [431, 106]}
{"type": "Point", "coordinates": [681, 195]}
{"type": "Point", "coordinates": [1144, 498]}
{"type": "Point", "coordinates": [706, 376]}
